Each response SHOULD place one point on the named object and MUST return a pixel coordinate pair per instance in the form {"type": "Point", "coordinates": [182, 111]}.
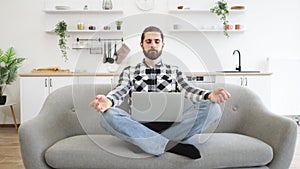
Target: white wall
{"type": "Point", "coordinates": [272, 30]}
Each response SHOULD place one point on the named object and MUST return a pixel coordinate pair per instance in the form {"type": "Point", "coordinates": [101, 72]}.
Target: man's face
{"type": "Point", "coordinates": [152, 45]}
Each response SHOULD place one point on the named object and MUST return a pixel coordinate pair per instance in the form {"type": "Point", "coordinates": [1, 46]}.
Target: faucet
{"type": "Point", "coordinates": [239, 67]}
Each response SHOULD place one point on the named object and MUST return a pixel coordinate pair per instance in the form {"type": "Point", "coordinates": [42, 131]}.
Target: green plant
{"type": "Point", "coordinates": [221, 10]}
{"type": "Point", "coordinates": [61, 31]}
{"type": "Point", "coordinates": [119, 23]}
{"type": "Point", "coordinates": [9, 64]}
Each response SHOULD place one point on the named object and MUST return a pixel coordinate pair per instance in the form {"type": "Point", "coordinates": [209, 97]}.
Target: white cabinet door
{"type": "Point", "coordinates": [259, 84]}
{"type": "Point", "coordinates": [34, 91]}
{"type": "Point", "coordinates": [58, 82]}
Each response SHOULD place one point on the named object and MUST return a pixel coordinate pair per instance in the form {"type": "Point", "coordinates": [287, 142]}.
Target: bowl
{"type": "Point", "coordinates": [62, 7]}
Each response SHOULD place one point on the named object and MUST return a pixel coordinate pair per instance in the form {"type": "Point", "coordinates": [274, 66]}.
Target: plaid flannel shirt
{"type": "Point", "coordinates": [160, 78]}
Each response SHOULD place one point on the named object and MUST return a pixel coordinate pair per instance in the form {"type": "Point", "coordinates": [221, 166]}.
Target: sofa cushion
{"type": "Point", "coordinates": [220, 150]}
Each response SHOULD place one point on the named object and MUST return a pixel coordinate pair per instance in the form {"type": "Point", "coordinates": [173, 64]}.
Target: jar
{"type": "Point", "coordinates": [80, 26]}
{"type": "Point", "coordinates": [107, 4]}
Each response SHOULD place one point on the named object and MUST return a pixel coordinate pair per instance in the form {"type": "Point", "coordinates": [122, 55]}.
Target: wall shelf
{"type": "Point", "coordinates": [177, 11]}
{"type": "Point", "coordinates": [89, 31]}
{"type": "Point", "coordinates": [206, 30]}
{"type": "Point", "coordinates": [84, 11]}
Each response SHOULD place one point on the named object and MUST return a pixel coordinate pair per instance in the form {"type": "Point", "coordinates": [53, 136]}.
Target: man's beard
{"type": "Point", "coordinates": [152, 54]}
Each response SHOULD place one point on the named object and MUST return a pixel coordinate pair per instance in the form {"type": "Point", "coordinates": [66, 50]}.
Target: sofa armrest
{"type": "Point", "coordinates": [55, 121]}
{"type": "Point", "coordinates": [65, 112]}
{"type": "Point", "coordinates": [277, 131]}
{"type": "Point", "coordinates": [257, 121]}
{"type": "Point", "coordinates": [245, 114]}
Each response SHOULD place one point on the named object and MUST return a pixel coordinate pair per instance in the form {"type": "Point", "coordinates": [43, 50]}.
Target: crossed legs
{"type": "Point", "coordinates": [197, 118]}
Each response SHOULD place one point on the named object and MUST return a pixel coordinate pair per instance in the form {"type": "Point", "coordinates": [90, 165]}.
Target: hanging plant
{"type": "Point", "coordinates": [61, 31]}
{"type": "Point", "coordinates": [221, 10]}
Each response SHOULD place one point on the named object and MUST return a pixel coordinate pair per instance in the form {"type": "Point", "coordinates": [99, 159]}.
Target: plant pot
{"type": "Point", "coordinates": [2, 100]}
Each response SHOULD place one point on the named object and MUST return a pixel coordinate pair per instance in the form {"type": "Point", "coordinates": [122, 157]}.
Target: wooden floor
{"type": "Point", "coordinates": [10, 156]}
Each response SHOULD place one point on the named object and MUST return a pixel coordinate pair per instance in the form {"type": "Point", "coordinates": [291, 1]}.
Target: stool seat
{"type": "Point", "coordinates": [10, 105]}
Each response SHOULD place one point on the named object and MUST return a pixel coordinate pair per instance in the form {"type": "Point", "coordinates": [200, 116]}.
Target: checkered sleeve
{"type": "Point", "coordinates": [194, 94]}
{"type": "Point", "coordinates": [123, 87]}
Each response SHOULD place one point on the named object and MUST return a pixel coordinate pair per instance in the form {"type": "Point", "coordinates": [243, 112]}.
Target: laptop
{"type": "Point", "coordinates": [157, 106]}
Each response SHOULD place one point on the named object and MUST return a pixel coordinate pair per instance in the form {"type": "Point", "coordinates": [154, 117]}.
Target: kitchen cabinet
{"type": "Point", "coordinates": [98, 80]}
{"type": "Point", "coordinates": [34, 90]}
{"type": "Point", "coordinates": [260, 84]}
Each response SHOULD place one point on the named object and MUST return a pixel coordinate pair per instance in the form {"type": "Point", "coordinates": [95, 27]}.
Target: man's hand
{"type": "Point", "coordinates": [219, 95]}
{"type": "Point", "coordinates": [101, 103]}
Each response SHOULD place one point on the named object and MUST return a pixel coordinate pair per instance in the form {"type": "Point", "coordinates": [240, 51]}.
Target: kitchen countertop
{"type": "Point", "coordinates": [67, 74]}
{"type": "Point", "coordinates": [117, 74]}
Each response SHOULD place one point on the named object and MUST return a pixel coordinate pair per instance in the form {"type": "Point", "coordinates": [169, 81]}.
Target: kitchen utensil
{"type": "Point", "coordinates": [95, 50]}
{"type": "Point", "coordinates": [122, 53]}
{"type": "Point", "coordinates": [104, 56]}
{"type": "Point", "coordinates": [115, 52]}
{"type": "Point", "coordinates": [109, 58]}
{"type": "Point", "coordinates": [96, 47]}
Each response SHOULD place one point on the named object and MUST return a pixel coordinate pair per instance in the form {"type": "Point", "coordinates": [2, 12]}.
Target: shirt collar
{"type": "Point", "coordinates": [158, 65]}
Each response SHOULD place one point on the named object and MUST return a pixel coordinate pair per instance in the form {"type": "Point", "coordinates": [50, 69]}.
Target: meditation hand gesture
{"type": "Point", "coordinates": [101, 103]}
{"type": "Point", "coordinates": [219, 95]}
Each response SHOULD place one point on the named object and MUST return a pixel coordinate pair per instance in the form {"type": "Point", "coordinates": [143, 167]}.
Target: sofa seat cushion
{"type": "Point", "coordinates": [220, 150]}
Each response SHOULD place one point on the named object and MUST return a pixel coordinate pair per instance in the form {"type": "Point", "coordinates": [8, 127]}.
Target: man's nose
{"type": "Point", "coordinates": [153, 45]}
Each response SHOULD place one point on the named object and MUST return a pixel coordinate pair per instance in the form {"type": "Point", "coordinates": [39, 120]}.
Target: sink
{"type": "Point", "coordinates": [243, 71]}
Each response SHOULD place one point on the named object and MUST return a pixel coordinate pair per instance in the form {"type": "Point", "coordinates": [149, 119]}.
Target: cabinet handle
{"type": "Point", "coordinates": [111, 83]}
{"type": "Point", "coordinates": [50, 82]}
{"type": "Point", "coordinates": [242, 81]}
{"type": "Point", "coordinates": [46, 83]}
{"type": "Point", "coordinates": [246, 81]}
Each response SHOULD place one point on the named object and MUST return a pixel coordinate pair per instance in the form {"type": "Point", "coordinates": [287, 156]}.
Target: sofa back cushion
{"type": "Point", "coordinates": [234, 110]}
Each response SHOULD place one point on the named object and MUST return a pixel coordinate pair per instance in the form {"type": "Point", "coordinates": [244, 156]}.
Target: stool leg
{"type": "Point", "coordinates": [14, 117]}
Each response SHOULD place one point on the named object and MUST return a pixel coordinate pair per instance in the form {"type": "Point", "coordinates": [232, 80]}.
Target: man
{"type": "Point", "coordinates": [147, 77]}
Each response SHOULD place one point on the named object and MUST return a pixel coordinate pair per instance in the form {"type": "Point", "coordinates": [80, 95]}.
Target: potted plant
{"type": "Point", "coordinates": [119, 24]}
{"type": "Point", "coordinates": [221, 10]}
{"type": "Point", "coordinates": [61, 31]}
{"type": "Point", "coordinates": [9, 65]}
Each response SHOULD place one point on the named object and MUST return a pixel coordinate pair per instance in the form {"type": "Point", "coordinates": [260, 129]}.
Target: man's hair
{"type": "Point", "coordinates": [152, 29]}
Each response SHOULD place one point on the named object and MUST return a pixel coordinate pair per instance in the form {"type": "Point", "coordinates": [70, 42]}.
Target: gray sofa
{"type": "Point", "coordinates": [67, 134]}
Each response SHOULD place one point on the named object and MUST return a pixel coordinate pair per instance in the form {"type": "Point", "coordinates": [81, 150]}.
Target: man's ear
{"type": "Point", "coordinates": [141, 44]}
